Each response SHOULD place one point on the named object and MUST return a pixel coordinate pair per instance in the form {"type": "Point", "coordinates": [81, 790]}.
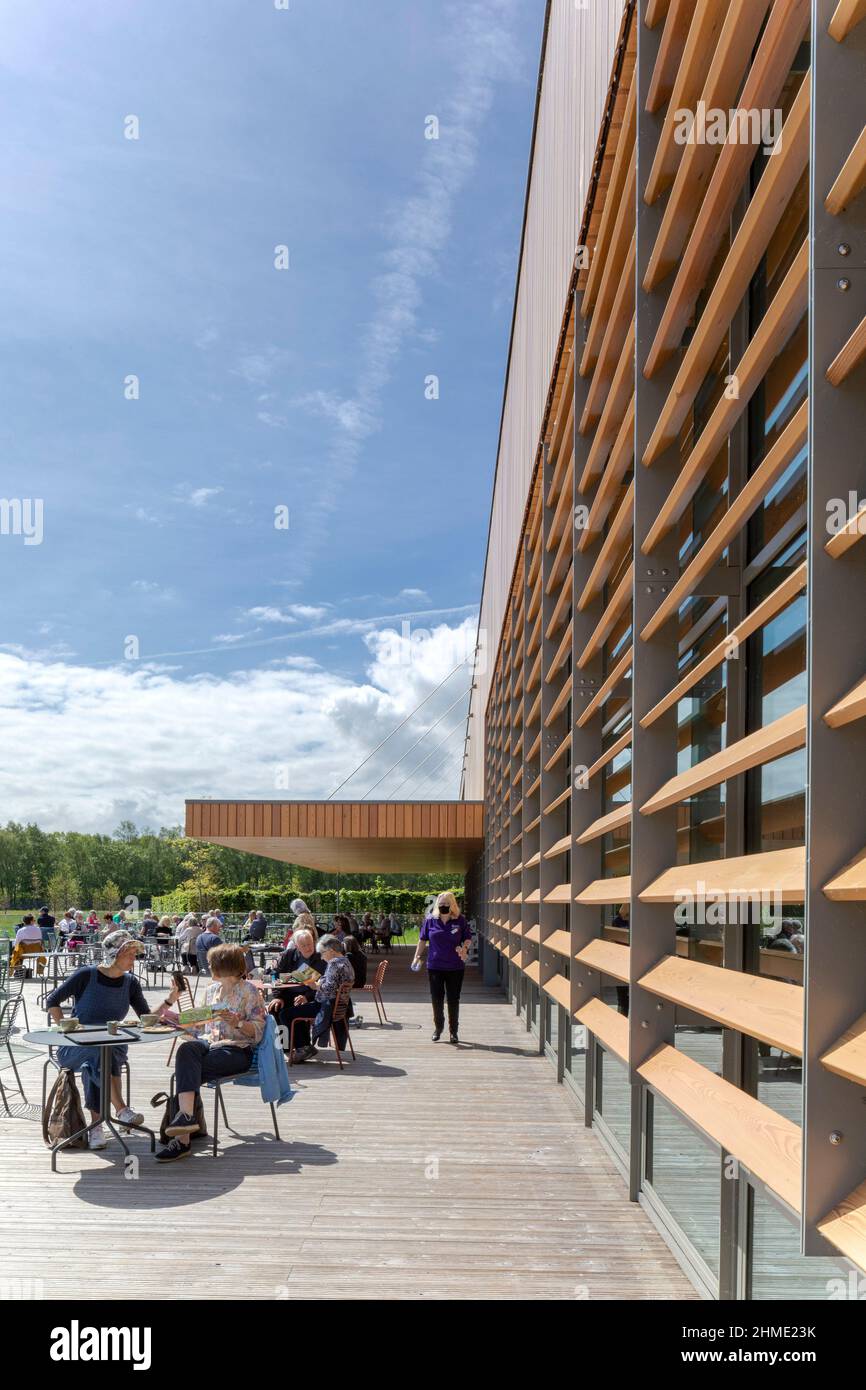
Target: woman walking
{"type": "Point", "coordinates": [445, 935]}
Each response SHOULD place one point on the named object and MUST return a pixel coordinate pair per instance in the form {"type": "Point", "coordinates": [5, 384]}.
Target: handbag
{"type": "Point", "coordinates": [169, 1101]}
{"type": "Point", "coordinates": [63, 1115]}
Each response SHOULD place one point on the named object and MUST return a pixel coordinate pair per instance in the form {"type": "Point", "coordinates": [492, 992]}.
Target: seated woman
{"type": "Point", "coordinates": [358, 959]}
{"type": "Point", "coordinates": [338, 971]}
{"type": "Point", "coordinates": [223, 1047]}
{"type": "Point", "coordinates": [101, 993]}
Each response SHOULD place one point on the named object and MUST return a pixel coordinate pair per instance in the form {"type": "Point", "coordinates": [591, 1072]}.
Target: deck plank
{"type": "Point", "coordinates": [526, 1205]}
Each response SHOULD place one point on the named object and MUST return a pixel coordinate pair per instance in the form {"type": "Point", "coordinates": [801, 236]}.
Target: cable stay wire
{"type": "Point", "coordinates": [427, 776]}
{"type": "Point", "coordinates": [397, 729]}
{"type": "Point", "coordinates": [444, 715]}
{"type": "Point", "coordinates": [412, 775]}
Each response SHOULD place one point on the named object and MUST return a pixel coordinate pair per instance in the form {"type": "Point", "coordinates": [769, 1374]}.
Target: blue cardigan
{"type": "Point", "coordinates": [268, 1067]}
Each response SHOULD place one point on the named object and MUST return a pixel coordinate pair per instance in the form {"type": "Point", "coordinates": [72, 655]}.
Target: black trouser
{"type": "Point", "coordinates": [197, 1062]}
{"type": "Point", "coordinates": [445, 984]}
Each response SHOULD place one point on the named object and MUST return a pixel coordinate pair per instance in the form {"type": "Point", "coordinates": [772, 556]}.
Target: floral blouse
{"type": "Point", "coordinates": [338, 971]}
{"type": "Point", "coordinates": [241, 998]}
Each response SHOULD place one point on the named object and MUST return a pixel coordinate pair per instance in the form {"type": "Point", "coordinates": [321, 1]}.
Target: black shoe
{"type": "Point", "coordinates": [172, 1151]}
{"type": "Point", "coordinates": [454, 1039]}
{"type": "Point", "coordinates": [307, 1052]}
{"type": "Point", "coordinates": [437, 1034]}
{"type": "Point", "coordinates": [182, 1124]}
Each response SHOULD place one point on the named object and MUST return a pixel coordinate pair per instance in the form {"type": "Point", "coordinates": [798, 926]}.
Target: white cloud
{"type": "Point", "coordinates": [308, 611]}
{"type": "Point", "coordinates": [160, 738]}
{"type": "Point", "coordinates": [268, 614]}
{"type": "Point", "coordinates": [200, 496]}
{"type": "Point", "coordinates": [275, 422]}
{"type": "Point", "coordinates": [153, 591]}
{"type": "Point", "coordinates": [258, 368]}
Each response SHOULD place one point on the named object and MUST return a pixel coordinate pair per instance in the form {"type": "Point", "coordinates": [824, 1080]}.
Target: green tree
{"type": "Point", "coordinates": [63, 890]}
{"type": "Point", "coordinates": [107, 898]}
{"type": "Point", "coordinates": [201, 875]}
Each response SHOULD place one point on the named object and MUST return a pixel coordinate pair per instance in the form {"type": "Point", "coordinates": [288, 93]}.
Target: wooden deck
{"type": "Point", "coordinates": [421, 1172]}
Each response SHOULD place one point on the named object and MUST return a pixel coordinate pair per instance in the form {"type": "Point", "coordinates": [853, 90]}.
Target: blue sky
{"type": "Point", "coordinates": [259, 387]}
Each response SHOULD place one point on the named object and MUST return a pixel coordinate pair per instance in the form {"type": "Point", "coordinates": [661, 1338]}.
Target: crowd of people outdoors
{"type": "Point", "coordinates": [224, 1044]}
{"type": "Point", "coordinates": [75, 928]}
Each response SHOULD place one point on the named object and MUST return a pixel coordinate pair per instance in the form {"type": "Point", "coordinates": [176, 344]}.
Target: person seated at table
{"type": "Point", "coordinates": [209, 938]}
{"type": "Point", "coordinates": [358, 959]}
{"type": "Point", "coordinates": [222, 1047]}
{"type": "Point", "coordinates": [92, 920]}
{"type": "Point", "coordinates": [368, 932]}
{"type": "Point", "coordinates": [28, 942]}
{"type": "Point", "coordinates": [164, 931]}
{"type": "Point", "coordinates": [148, 924]}
{"type": "Point", "coordinates": [78, 934]}
{"type": "Point", "coordinates": [383, 932]}
{"type": "Point", "coordinates": [256, 927]}
{"type": "Point", "coordinates": [66, 923]}
{"type": "Point", "coordinates": [46, 925]}
{"type": "Point", "coordinates": [341, 925]}
{"type": "Point", "coordinates": [302, 952]}
{"type": "Point", "coordinates": [338, 971]}
{"type": "Point", "coordinates": [101, 993]}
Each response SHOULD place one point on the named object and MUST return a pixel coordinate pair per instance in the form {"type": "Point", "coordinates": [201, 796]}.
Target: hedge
{"type": "Point", "coordinates": [275, 900]}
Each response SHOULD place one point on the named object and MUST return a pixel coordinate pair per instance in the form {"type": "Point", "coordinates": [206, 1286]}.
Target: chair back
{"type": "Point", "coordinates": [8, 1009]}
{"type": "Point", "coordinates": [341, 1003]}
{"type": "Point", "coordinates": [380, 973]}
{"type": "Point", "coordinates": [185, 999]}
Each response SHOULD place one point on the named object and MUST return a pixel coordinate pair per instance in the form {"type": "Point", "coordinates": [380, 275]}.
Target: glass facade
{"type": "Point", "coordinates": [691, 684]}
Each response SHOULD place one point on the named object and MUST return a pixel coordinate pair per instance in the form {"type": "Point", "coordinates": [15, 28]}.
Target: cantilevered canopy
{"type": "Point", "coordinates": [357, 836]}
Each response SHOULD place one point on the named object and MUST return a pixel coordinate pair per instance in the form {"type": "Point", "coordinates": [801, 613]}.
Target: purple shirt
{"type": "Point", "coordinates": [444, 938]}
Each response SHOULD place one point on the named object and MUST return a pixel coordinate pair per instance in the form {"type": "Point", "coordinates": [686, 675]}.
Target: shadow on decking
{"type": "Point", "coordinates": [199, 1178]}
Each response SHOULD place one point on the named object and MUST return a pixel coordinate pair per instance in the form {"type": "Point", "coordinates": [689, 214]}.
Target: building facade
{"type": "Point", "coordinates": [667, 728]}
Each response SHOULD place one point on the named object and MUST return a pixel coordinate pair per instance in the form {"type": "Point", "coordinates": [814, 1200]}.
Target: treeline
{"type": "Point", "coordinates": [70, 869]}
{"type": "Point", "coordinates": [406, 902]}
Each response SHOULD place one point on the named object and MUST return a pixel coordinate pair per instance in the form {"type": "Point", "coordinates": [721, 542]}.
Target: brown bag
{"type": "Point", "coordinates": [63, 1115]}
{"type": "Point", "coordinates": [171, 1109]}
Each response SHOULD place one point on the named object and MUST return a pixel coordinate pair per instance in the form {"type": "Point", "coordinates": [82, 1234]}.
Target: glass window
{"type": "Point", "coordinates": [685, 1174]}
{"type": "Point", "coordinates": [575, 1059]}
{"type": "Point", "coordinates": [613, 1096]}
{"type": "Point", "coordinates": [779, 1271]}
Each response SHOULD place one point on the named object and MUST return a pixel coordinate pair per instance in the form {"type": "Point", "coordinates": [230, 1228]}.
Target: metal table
{"type": "Point", "coordinates": [105, 1041]}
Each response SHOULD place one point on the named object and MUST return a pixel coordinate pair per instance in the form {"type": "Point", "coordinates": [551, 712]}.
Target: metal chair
{"type": "Point", "coordinates": [8, 1010]}
{"type": "Point", "coordinates": [51, 1061]}
{"type": "Point", "coordinates": [339, 1014]}
{"type": "Point", "coordinates": [185, 1000]}
{"type": "Point", "coordinates": [375, 988]}
{"type": "Point", "coordinates": [219, 1104]}
{"type": "Point", "coordinates": [15, 990]}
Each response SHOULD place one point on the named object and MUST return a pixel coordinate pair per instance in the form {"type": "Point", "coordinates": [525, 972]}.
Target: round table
{"type": "Point", "coordinates": [105, 1041]}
